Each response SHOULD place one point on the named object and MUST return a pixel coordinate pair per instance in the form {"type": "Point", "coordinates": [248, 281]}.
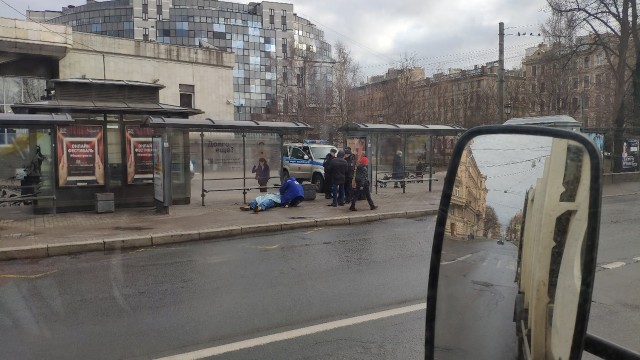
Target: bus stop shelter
{"type": "Point", "coordinates": [27, 172]}
{"type": "Point", "coordinates": [413, 144]}
{"type": "Point", "coordinates": [216, 153]}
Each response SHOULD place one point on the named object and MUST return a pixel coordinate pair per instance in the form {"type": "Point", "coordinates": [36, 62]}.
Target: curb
{"type": "Point", "coordinates": [149, 240]}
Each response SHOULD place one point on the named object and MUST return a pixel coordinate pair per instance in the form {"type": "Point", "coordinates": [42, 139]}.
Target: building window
{"type": "Point", "coordinates": [598, 79]}
{"type": "Point", "coordinates": [285, 75]}
{"type": "Point", "coordinates": [145, 34]}
{"type": "Point", "coordinates": [284, 12]}
{"type": "Point", "coordinates": [542, 87]}
{"type": "Point", "coordinates": [186, 95]}
{"type": "Point", "coordinates": [284, 26]}
{"type": "Point", "coordinates": [586, 62]}
{"type": "Point", "coordinates": [533, 88]}
{"type": "Point", "coordinates": [576, 82]}
{"type": "Point", "coordinates": [284, 46]}
{"type": "Point", "coordinates": [585, 102]}
{"type": "Point", "coordinates": [159, 12]}
{"type": "Point", "coordinates": [145, 2]}
{"type": "Point", "coordinates": [145, 16]}
{"type": "Point", "coordinates": [586, 83]}
{"type": "Point", "coordinates": [533, 71]}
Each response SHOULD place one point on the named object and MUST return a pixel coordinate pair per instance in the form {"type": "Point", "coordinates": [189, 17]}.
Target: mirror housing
{"type": "Point", "coordinates": [583, 258]}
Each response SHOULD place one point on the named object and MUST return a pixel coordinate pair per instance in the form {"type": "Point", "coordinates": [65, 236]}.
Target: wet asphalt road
{"type": "Point", "coordinates": [176, 299]}
{"type": "Point", "coordinates": [168, 300]}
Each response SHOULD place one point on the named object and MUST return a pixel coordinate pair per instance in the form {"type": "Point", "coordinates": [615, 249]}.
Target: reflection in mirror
{"type": "Point", "coordinates": [511, 252]}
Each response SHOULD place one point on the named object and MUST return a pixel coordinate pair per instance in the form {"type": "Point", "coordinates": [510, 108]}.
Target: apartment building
{"type": "Point", "coordinates": [261, 35]}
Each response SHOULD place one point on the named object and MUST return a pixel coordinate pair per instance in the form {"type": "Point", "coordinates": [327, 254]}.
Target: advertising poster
{"type": "Point", "coordinates": [630, 155]}
{"type": "Point", "coordinates": [80, 155]}
{"type": "Point", "coordinates": [139, 151]}
{"type": "Point", "coordinates": [158, 176]}
{"type": "Point", "coordinates": [358, 145]}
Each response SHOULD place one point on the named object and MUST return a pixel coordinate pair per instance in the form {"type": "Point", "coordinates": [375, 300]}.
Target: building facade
{"type": "Point", "coordinates": [468, 206]}
{"type": "Point", "coordinates": [579, 84]}
{"type": "Point", "coordinates": [261, 35]}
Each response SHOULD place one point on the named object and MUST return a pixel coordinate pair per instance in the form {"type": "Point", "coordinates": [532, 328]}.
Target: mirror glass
{"type": "Point", "coordinates": [510, 260]}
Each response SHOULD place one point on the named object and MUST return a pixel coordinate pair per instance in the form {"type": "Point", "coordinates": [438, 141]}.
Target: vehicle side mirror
{"type": "Point", "coordinates": [539, 188]}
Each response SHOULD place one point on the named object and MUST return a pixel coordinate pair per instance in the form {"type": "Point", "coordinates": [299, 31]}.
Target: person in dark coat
{"type": "Point", "coordinates": [338, 170]}
{"type": "Point", "coordinates": [262, 173]}
{"type": "Point", "coordinates": [397, 170]}
{"type": "Point", "coordinates": [362, 184]}
{"type": "Point", "coordinates": [328, 186]}
{"type": "Point", "coordinates": [350, 158]}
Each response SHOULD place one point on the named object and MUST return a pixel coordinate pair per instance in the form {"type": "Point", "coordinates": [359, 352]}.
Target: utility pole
{"type": "Point", "coordinates": [500, 115]}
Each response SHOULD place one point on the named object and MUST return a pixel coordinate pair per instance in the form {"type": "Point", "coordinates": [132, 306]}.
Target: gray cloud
{"type": "Point", "coordinates": [440, 34]}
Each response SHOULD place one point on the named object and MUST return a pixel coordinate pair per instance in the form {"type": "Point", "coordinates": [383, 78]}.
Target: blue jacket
{"type": "Point", "coordinates": [290, 190]}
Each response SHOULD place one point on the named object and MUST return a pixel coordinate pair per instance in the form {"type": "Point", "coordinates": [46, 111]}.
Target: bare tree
{"type": "Point", "coordinates": [346, 76]}
{"type": "Point", "coordinates": [400, 100]}
{"type": "Point", "coordinates": [613, 27]}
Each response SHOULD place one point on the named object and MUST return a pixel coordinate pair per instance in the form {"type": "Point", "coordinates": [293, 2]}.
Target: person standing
{"type": "Point", "coordinates": [397, 170]}
{"type": "Point", "coordinates": [350, 158]}
{"type": "Point", "coordinates": [328, 186]}
{"type": "Point", "coordinates": [362, 184]}
{"type": "Point", "coordinates": [338, 170]}
{"type": "Point", "coordinates": [262, 173]}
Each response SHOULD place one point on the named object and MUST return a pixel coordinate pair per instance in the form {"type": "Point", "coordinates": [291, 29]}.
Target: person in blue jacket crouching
{"type": "Point", "coordinates": [291, 192]}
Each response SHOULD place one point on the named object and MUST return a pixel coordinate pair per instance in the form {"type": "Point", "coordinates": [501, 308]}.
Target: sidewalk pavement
{"type": "Point", "coordinates": [25, 235]}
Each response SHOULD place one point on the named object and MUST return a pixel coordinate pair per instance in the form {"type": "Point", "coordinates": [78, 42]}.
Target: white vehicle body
{"type": "Point", "coordinates": [304, 161]}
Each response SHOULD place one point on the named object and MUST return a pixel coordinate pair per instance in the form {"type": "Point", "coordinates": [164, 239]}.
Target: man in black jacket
{"type": "Point", "coordinates": [328, 185]}
{"type": "Point", "coordinates": [338, 170]}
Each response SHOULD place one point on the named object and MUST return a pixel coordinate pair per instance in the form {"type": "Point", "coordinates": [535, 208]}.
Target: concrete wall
{"type": "Point", "coordinates": [617, 178]}
{"type": "Point", "coordinates": [23, 37]}
{"type": "Point", "coordinates": [209, 71]}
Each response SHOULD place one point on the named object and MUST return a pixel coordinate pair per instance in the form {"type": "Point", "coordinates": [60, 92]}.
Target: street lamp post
{"type": "Point", "coordinates": [507, 110]}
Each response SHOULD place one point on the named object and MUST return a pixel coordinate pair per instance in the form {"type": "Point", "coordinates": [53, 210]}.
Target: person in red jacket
{"type": "Point", "coordinates": [362, 184]}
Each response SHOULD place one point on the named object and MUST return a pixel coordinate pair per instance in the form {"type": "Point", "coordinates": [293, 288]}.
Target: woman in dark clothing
{"type": "Point", "coordinates": [362, 184]}
{"type": "Point", "coordinates": [262, 173]}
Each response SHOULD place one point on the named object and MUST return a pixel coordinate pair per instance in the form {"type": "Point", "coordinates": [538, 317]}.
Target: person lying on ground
{"type": "Point", "coordinates": [263, 202]}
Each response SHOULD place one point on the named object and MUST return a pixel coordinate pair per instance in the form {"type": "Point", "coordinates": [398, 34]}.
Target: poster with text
{"type": "Point", "coordinates": [630, 155]}
{"type": "Point", "coordinates": [358, 145]}
{"type": "Point", "coordinates": [139, 152]}
{"type": "Point", "coordinates": [80, 155]}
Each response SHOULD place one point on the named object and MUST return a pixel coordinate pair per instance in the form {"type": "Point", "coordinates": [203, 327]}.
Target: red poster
{"type": "Point", "coordinates": [80, 155]}
{"type": "Point", "coordinates": [139, 154]}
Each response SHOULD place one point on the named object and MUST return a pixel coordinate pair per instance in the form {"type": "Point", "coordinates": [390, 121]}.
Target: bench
{"type": "Point", "coordinates": [403, 182]}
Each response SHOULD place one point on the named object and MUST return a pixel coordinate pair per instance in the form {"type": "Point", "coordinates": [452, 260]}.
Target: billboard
{"type": "Point", "coordinates": [80, 155]}
{"type": "Point", "coordinates": [629, 156]}
{"type": "Point", "coordinates": [139, 152]}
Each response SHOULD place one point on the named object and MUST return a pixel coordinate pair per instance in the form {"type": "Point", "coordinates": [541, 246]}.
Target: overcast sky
{"type": "Point", "coordinates": [440, 34]}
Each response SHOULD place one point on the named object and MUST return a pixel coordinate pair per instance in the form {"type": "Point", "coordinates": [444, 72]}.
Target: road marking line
{"type": "Point", "coordinates": [458, 259]}
{"type": "Point", "coordinates": [614, 265]}
{"type": "Point", "coordinates": [287, 335]}
{"type": "Point", "coordinates": [314, 230]}
{"type": "Point", "coordinates": [35, 276]}
{"type": "Point", "coordinates": [266, 247]}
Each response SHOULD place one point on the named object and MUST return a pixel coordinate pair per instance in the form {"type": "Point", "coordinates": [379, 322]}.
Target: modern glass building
{"type": "Point", "coordinates": [268, 40]}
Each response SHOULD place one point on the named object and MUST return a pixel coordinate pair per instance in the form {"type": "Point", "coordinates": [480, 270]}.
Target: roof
{"type": "Point", "coordinates": [60, 106]}
{"type": "Point", "coordinates": [227, 125]}
{"type": "Point", "coordinates": [553, 120]}
{"type": "Point", "coordinates": [403, 128]}
{"type": "Point", "coordinates": [109, 82]}
{"type": "Point", "coordinates": [34, 120]}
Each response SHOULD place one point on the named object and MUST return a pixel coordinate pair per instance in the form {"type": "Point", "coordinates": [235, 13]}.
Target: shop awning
{"type": "Point", "coordinates": [227, 125]}
{"type": "Point", "coordinates": [34, 120]}
{"type": "Point", "coordinates": [435, 130]}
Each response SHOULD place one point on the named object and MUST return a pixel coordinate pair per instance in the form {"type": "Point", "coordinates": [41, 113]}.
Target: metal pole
{"type": "Point", "coordinates": [244, 168]}
{"type": "Point", "coordinates": [202, 165]}
{"type": "Point", "coordinates": [377, 159]}
{"type": "Point", "coordinates": [404, 165]}
{"type": "Point", "coordinates": [282, 158]}
{"type": "Point", "coordinates": [500, 109]}
{"type": "Point", "coordinates": [430, 160]}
